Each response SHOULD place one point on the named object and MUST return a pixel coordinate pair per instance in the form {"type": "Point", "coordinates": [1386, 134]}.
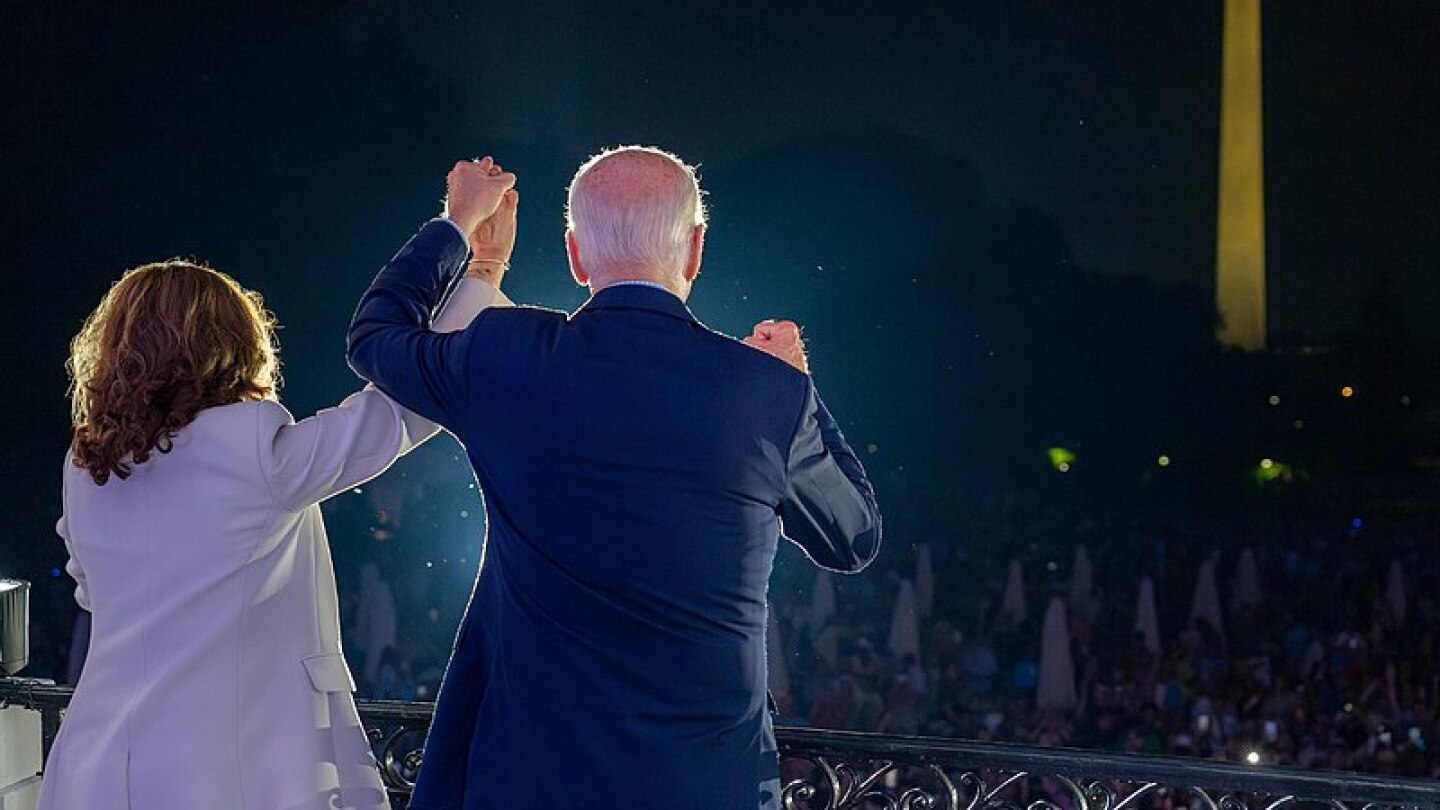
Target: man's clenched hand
{"type": "Point", "coordinates": [781, 339]}
{"type": "Point", "coordinates": [475, 188]}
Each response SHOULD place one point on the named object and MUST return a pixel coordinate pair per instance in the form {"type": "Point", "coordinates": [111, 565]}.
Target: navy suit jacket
{"type": "Point", "coordinates": [637, 470]}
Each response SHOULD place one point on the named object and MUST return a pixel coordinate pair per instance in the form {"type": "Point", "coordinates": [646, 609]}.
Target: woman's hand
{"type": "Point", "coordinates": [473, 190]}
{"type": "Point", "coordinates": [493, 240]}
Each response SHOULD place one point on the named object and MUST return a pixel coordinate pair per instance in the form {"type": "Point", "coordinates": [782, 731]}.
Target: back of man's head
{"type": "Point", "coordinates": [635, 213]}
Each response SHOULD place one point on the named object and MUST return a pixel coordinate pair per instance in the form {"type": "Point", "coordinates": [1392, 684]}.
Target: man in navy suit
{"type": "Point", "coordinates": [638, 470]}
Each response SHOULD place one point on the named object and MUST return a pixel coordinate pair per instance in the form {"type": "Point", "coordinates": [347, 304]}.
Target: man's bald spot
{"type": "Point", "coordinates": [633, 175]}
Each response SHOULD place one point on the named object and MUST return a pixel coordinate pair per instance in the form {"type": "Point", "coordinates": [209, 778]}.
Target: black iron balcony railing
{"type": "Point", "coordinates": [833, 770]}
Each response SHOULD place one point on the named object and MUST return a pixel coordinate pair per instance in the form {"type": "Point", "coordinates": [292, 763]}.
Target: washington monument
{"type": "Point", "coordinates": [1240, 238]}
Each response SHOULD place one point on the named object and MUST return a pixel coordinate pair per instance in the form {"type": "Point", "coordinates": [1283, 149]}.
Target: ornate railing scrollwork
{"type": "Point", "coordinates": [837, 770]}
{"type": "Point", "coordinates": [397, 736]}
{"type": "Point", "coordinates": [862, 785]}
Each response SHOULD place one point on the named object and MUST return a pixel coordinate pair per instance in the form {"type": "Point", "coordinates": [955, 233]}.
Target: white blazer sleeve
{"type": "Point", "coordinates": [72, 566]}
{"type": "Point", "coordinates": [306, 462]}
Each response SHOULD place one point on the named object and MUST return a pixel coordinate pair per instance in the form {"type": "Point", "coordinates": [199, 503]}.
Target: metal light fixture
{"type": "Point", "coordinates": [14, 625]}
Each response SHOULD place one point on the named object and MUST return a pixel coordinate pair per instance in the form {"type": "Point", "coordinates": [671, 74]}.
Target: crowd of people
{"type": "Point", "coordinates": [1329, 667]}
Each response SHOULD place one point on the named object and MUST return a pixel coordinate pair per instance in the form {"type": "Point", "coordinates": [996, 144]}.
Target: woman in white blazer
{"type": "Point", "coordinates": [214, 678]}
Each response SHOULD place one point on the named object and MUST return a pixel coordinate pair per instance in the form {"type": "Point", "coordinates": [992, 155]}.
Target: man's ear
{"type": "Point", "coordinates": [572, 251]}
{"type": "Point", "coordinates": [697, 247]}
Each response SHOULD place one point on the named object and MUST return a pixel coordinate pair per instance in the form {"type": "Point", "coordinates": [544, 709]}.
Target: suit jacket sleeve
{"type": "Point", "coordinates": [829, 508]}
{"type": "Point", "coordinates": [338, 448]}
{"type": "Point", "coordinates": [390, 343]}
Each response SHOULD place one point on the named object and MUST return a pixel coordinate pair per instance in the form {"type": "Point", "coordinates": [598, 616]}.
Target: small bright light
{"type": "Point", "coordinates": [1060, 458]}
{"type": "Point", "coordinates": [1270, 470]}
{"type": "Point", "coordinates": [1253, 757]}
{"type": "Point", "coordinates": [1357, 523]}
{"type": "Point", "coordinates": [1347, 392]}
{"type": "Point", "coordinates": [872, 448]}
{"type": "Point", "coordinates": [1405, 400]}
{"type": "Point", "coordinates": [1274, 399]}
{"type": "Point", "coordinates": [1299, 424]}
{"type": "Point", "coordinates": [1163, 461]}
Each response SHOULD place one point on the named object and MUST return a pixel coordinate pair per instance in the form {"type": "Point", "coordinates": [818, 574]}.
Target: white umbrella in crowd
{"type": "Point", "coordinates": [1206, 603]}
{"type": "Point", "coordinates": [376, 620]}
{"type": "Point", "coordinates": [1395, 592]}
{"type": "Point", "coordinates": [905, 623]}
{"type": "Point", "coordinates": [924, 580]}
{"type": "Point", "coordinates": [778, 667]}
{"type": "Point", "coordinates": [1247, 592]}
{"type": "Point", "coordinates": [1055, 688]}
{"type": "Point", "coordinates": [1147, 619]}
{"type": "Point", "coordinates": [1012, 604]}
{"type": "Point", "coordinates": [822, 602]}
{"type": "Point", "coordinates": [1082, 580]}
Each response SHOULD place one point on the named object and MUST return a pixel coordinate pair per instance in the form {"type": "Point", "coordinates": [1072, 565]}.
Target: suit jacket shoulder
{"type": "Point", "coordinates": [767, 373]}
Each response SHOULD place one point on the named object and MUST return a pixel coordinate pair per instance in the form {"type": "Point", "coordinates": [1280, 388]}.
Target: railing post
{"type": "Point", "coordinates": [49, 728]}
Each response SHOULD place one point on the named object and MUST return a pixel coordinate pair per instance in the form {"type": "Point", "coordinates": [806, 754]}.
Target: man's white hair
{"type": "Point", "coordinates": [634, 208]}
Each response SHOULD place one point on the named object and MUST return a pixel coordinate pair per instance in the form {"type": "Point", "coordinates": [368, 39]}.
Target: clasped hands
{"type": "Point", "coordinates": [481, 199]}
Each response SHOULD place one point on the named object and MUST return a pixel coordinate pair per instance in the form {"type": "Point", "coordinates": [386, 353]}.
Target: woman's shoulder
{"type": "Point", "coordinates": [234, 430]}
{"type": "Point", "coordinates": [263, 413]}
{"type": "Point", "coordinates": [242, 426]}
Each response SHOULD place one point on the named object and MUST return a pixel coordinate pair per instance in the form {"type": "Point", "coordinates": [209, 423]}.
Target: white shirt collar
{"type": "Point", "coordinates": [639, 283]}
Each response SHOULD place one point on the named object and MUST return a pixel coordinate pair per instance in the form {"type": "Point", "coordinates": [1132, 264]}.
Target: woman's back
{"type": "Point", "coordinates": [164, 551]}
{"type": "Point", "coordinates": [216, 641]}
{"type": "Point", "coordinates": [214, 679]}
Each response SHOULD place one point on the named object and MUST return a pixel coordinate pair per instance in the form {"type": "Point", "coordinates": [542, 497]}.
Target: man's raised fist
{"type": "Point", "coordinates": [781, 339]}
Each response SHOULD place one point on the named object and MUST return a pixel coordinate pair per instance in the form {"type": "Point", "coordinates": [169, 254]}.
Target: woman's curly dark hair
{"type": "Point", "coordinates": [169, 340]}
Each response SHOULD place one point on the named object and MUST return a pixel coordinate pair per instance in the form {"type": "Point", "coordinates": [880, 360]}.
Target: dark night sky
{"type": "Point", "coordinates": [1103, 115]}
{"type": "Point", "coordinates": [295, 144]}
